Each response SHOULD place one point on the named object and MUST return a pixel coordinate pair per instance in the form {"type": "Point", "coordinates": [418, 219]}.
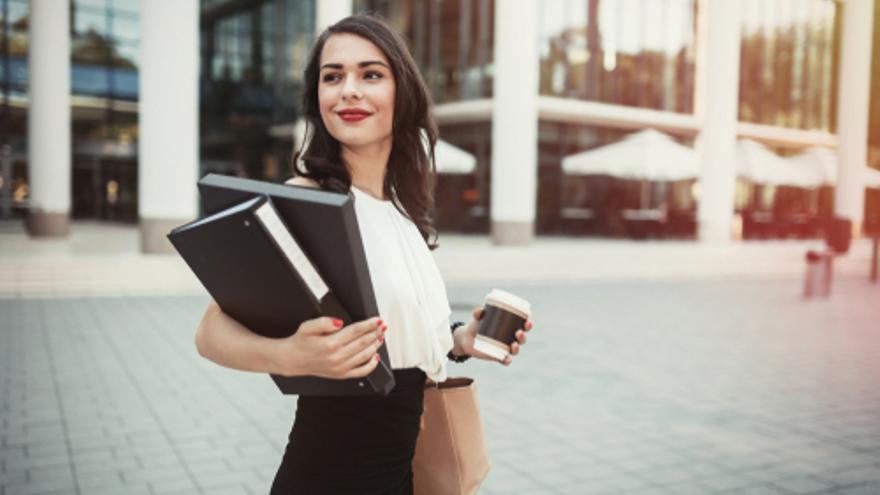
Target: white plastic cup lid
{"type": "Point", "coordinates": [511, 300]}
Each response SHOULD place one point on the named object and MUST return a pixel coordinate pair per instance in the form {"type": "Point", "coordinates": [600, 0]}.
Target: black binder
{"type": "Point", "coordinates": [258, 273]}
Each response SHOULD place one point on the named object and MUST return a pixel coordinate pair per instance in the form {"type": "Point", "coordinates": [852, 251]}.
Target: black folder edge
{"type": "Point", "coordinates": [381, 379]}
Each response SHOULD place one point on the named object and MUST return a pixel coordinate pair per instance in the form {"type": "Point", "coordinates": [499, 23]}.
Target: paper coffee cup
{"type": "Point", "coordinates": [503, 314]}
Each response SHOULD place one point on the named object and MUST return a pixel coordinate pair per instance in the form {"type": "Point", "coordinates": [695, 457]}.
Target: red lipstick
{"type": "Point", "coordinates": [353, 114]}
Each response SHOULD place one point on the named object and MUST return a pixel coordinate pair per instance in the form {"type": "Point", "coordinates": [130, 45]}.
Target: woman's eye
{"type": "Point", "coordinates": [330, 77]}
{"type": "Point", "coordinates": [373, 75]}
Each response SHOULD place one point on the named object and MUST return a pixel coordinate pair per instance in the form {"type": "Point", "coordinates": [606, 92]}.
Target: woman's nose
{"type": "Point", "coordinates": [350, 88]}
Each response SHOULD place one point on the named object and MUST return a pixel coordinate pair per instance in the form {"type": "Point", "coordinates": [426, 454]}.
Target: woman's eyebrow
{"type": "Point", "coordinates": [361, 65]}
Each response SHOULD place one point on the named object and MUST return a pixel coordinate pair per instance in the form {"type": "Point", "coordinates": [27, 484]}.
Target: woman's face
{"type": "Point", "coordinates": [356, 91]}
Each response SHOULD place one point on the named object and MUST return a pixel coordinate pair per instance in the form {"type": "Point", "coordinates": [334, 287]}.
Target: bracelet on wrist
{"type": "Point", "coordinates": [451, 356]}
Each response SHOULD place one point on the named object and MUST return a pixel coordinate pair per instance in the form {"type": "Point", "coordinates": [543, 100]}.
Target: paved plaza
{"type": "Point", "coordinates": [638, 387]}
{"type": "Point", "coordinates": [655, 368]}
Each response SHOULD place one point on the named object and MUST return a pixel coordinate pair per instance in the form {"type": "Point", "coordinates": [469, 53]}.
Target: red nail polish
{"type": "Point", "coordinates": [379, 322]}
{"type": "Point", "coordinates": [384, 328]}
{"type": "Point", "coordinates": [337, 323]}
{"type": "Point", "coordinates": [381, 338]}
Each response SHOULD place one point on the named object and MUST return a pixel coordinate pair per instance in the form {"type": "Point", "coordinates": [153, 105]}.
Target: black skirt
{"type": "Point", "coordinates": [356, 445]}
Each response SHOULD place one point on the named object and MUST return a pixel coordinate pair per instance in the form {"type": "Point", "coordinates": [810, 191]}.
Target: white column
{"type": "Point", "coordinates": [331, 11]}
{"type": "Point", "coordinates": [168, 146]}
{"type": "Point", "coordinates": [853, 101]}
{"type": "Point", "coordinates": [514, 122]}
{"type": "Point", "coordinates": [717, 104]}
{"type": "Point", "coordinates": [49, 126]}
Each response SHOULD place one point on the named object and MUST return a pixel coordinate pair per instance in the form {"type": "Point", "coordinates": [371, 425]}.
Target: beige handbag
{"type": "Point", "coordinates": [451, 456]}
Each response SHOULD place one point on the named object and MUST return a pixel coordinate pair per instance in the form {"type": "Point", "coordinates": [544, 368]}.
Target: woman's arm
{"type": "Point", "coordinates": [319, 347]}
{"type": "Point", "coordinates": [228, 343]}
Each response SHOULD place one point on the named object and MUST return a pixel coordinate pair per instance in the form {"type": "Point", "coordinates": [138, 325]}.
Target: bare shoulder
{"type": "Point", "coordinates": [302, 181]}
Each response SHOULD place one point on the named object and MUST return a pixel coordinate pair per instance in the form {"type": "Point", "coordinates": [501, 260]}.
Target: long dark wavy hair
{"type": "Point", "coordinates": [410, 176]}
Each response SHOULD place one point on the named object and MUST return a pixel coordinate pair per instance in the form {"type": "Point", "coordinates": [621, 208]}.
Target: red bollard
{"type": "Point", "coordinates": [817, 281]}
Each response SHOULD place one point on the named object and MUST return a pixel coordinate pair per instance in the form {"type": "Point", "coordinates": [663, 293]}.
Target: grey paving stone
{"type": "Point", "coordinates": [723, 483]}
{"type": "Point", "coordinates": [554, 478]}
{"type": "Point", "coordinates": [116, 490]}
{"type": "Point", "coordinates": [226, 477]}
{"type": "Point", "coordinates": [172, 486]}
{"type": "Point", "coordinates": [761, 489]}
{"type": "Point", "coordinates": [88, 482]}
{"type": "Point", "coordinates": [12, 453]}
{"type": "Point", "coordinates": [860, 489]}
{"type": "Point", "coordinates": [668, 476]}
{"type": "Point", "coordinates": [584, 489]}
{"type": "Point", "coordinates": [236, 489]}
{"type": "Point", "coordinates": [14, 477]}
{"type": "Point", "coordinates": [36, 490]}
{"type": "Point", "coordinates": [60, 459]}
{"type": "Point", "coordinates": [45, 484]}
{"type": "Point", "coordinates": [865, 474]}
{"type": "Point", "coordinates": [802, 485]}
{"type": "Point", "coordinates": [100, 456]}
{"type": "Point", "coordinates": [138, 476]}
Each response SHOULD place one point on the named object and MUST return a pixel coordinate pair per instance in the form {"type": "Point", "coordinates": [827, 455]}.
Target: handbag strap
{"type": "Point", "coordinates": [449, 383]}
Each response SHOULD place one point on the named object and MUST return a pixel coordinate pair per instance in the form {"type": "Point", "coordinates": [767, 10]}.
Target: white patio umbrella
{"type": "Point", "coordinates": [817, 164]}
{"type": "Point", "coordinates": [647, 155]}
{"type": "Point", "coordinates": [757, 163]}
{"type": "Point", "coordinates": [872, 178]}
{"type": "Point", "coordinates": [822, 162]}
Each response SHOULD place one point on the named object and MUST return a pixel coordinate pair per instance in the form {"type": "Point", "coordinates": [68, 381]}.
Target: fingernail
{"type": "Point", "coordinates": [376, 356]}
{"type": "Point", "coordinates": [379, 322]}
{"type": "Point", "coordinates": [337, 323]}
{"type": "Point", "coordinates": [381, 338]}
{"type": "Point", "coordinates": [384, 328]}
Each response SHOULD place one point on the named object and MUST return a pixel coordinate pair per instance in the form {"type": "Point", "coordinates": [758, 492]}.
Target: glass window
{"type": "Point", "coordinates": [124, 83]}
{"type": "Point", "coordinates": [450, 40]}
{"type": "Point", "coordinates": [95, 5]}
{"type": "Point", "coordinates": [125, 27]}
{"type": "Point", "coordinates": [17, 25]}
{"type": "Point", "coordinates": [18, 12]}
{"type": "Point", "coordinates": [787, 63]}
{"type": "Point", "coordinates": [130, 6]}
{"type": "Point", "coordinates": [874, 112]}
{"type": "Point", "coordinates": [253, 57]}
{"type": "Point", "coordinates": [88, 22]}
{"type": "Point", "coordinates": [628, 52]}
{"type": "Point", "coordinates": [127, 54]}
{"type": "Point", "coordinates": [105, 49]}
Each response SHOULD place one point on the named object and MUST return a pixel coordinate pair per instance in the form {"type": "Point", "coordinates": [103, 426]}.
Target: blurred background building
{"type": "Point", "coordinates": [774, 102]}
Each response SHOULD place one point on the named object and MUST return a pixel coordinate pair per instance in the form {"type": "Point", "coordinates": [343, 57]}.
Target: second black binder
{"type": "Point", "coordinates": [257, 273]}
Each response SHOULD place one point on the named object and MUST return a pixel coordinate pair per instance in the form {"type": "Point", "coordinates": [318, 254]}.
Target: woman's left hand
{"type": "Point", "coordinates": [465, 335]}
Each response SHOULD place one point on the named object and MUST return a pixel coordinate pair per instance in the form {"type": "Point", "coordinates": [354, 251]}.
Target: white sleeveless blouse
{"type": "Point", "coordinates": [409, 289]}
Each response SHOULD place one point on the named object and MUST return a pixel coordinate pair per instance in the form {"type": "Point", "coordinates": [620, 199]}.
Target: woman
{"type": "Point", "coordinates": [369, 111]}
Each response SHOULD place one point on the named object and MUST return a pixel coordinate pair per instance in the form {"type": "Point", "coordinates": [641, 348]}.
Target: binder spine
{"type": "Point", "coordinates": [299, 262]}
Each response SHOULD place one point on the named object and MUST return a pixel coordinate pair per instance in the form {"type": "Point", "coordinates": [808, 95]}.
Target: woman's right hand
{"type": "Point", "coordinates": [323, 347]}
